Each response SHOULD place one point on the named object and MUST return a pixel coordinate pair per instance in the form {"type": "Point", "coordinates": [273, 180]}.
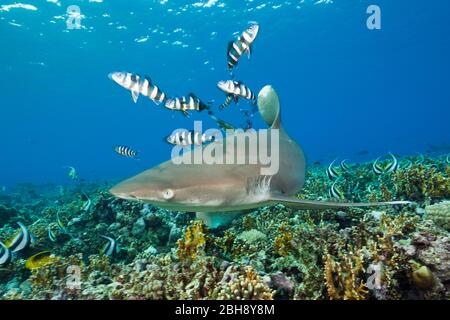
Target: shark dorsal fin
{"type": "Point", "coordinates": [269, 107]}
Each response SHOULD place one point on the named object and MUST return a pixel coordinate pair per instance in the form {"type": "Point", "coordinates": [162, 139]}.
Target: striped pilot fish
{"type": "Point", "coordinates": [21, 241]}
{"type": "Point", "coordinates": [185, 104]}
{"type": "Point", "coordinates": [139, 85]}
{"type": "Point", "coordinates": [110, 248]}
{"type": "Point", "coordinates": [5, 255]}
{"type": "Point", "coordinates": [243, 44]}
{"type": "Point", "coordinates": [188, 138]}
{"type": "Point", "coordinates": [235, 90]}
{"type": "Point", "coordinates": [125, 151]}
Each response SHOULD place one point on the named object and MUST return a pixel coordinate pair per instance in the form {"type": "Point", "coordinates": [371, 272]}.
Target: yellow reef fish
{"type": "Point", "coordinates": [40, 260]}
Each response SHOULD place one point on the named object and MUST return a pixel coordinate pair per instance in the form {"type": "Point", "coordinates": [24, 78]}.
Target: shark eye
{"type": "Point", "coordinates": [168, 194]}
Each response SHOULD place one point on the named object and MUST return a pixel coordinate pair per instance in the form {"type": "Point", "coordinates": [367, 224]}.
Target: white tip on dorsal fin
{"type": "Point", "coordinates": [269, 107]}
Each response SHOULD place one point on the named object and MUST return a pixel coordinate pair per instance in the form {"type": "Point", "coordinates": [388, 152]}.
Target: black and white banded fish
{"type": "Point", "coordinates": [335, 193]}
{"type": "Point", "coordinates": [125, 151]}
{"type": "Point", "coordinates": [344, 166]}
{"type": "Point", "coordinates": [62, 228]}
{"type": "Point", "coordinates": [110, 248]}
{"type": "Point", "coordinates": [243, 44]}
{"type": "Point", "coordinates": [393, 166]}
{"type": "Point", "coordinates": [447, 159]}
{"type": "Point", "coordinates": [184, 104]}
{"type": "Point", "coordinates": [5, 255]}
{"type": "Point", "coordinates": [51, 234]}
{"type": "Point", "coordinates": [227, 102]}
{"type": "Point", "coordinates": [22, 240]}
{"type": "Point", "coordinates": [139, 85]}
{"type": "Point", "coordinates": [331, 171]}
{"type": "Point", "coordinates": [378, 169]}
{"type": "Point", "coordinates": [235, 90]}
{"type": "Point", "coordinates": [188, 138]}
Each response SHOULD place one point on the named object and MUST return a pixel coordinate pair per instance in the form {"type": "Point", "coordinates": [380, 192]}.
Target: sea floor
{"type": "Point", "coordinates": [271, 253]}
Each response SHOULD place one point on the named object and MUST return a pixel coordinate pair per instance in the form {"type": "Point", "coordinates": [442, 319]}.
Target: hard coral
{"type": "Point", "coordinates": [192, 243]}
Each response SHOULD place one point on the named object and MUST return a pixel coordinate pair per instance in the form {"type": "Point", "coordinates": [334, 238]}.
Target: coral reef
{"type": "Point", "coordinates": [270, 253]}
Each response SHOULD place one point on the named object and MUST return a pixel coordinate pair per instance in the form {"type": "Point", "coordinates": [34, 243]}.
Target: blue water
{"type": "Point", "coordinates": [343, 88]}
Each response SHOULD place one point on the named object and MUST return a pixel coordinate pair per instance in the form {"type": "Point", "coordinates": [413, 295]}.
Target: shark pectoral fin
{"type": "Point", "coordinates": [216, 219]}
{"type": "Point", "coordinates": [135, 95]}
{"type": "Point", "coordinates": [322, 205]}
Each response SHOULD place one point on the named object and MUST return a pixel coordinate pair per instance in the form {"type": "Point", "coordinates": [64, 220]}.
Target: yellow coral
{"type": "Point", "coordinates": [420, 182]}
{"type": "Point", "coordinates": [192, 243]}
{"type": "Point", "coordinates": [283, 242]}
{"type": "Point", "coordinates": [342, 278]}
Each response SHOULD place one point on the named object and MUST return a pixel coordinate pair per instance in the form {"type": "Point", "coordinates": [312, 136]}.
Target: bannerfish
{"type": "Point", "coordinates": [88, 202]}
{"type": "Point", "coordinates": [220, 192]}
{"type": "Point", "coordinates": [344, 166]}
{"type": "Point", "coordinates": [235, 90]}
{"type": "Point", "coordinates": [62, 228]}
{"type": "Point", "coordinates": [72, 173]}
{"type": "Point", "coordinates": [185, 104]}
{"type": "Point", "coordinates": [391, 167]}
{"type": "Point", "coordinates": [189, 137]}
{"type": "Point", "coordinates": [243, 44]}
{"type": "Point", "coordinates": [110, 248]}
{"type": "Point", "coordinates": [125, 151]}
{"type": "Point", "coordinates": [448, 159]}
{"type": "Point", "coordinates": [332, 172]}
{"type": "Point", "coordinates": [21, 241]}
{"type": "Point", "coordinates": [139, 85]}
{"type": "Point", "coordinates": [5, 255]}
{"type": "Point", "coordinates": [335, 193]}
{"type": "Point", "coordinates": [51, 234]}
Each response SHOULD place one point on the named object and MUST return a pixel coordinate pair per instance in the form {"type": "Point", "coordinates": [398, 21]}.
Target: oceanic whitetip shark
{"type": "Point", "coordinates": [220, 192]}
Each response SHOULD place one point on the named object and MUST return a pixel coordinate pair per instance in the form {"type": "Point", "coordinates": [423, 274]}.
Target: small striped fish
{"type": "Point", "coordinates": [234, 91]}
{"type": "Point", "coordinates": [227, 102]}
{"type": "Point", "coordinates": [125, 151]}
{"type": "Point", "coordinates": [5, 255]}
{"type": "Point", "coordinates": [110, 248]}
{"type": "Point", "coordinates": [241, 45]}
{"type": "Point", "coordinates": [139, 85]}
{"type": "Point", "coordinates": [185, 104]}
{"type": "Point", "coordinates": [335, 193]}
{"type": "Point", "coordinates": [22, 240]}
{"type": "Point", "coordinates": [188, 138]}
{"type": "Point", "coordinates": [391, 167]}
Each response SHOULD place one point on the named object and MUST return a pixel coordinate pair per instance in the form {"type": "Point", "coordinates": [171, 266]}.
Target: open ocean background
{"type": "Point", "coordinates": [346, 91]}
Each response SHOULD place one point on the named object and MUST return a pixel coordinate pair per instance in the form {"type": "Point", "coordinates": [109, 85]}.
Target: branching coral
{"type": "Point", "coordinates": [420, 182]}
{"type": "Point", "coordinates": [192, 243]}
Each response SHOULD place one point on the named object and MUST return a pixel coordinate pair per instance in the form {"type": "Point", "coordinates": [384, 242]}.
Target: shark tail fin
{"type": "Point", "coordinates": [269, 107]}
{"type": "Point", "coordinates": [322, 205]}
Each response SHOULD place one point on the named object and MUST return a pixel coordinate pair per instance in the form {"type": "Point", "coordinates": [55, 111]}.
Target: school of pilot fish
{"type": "Point", "coordinates": [233, 90]}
